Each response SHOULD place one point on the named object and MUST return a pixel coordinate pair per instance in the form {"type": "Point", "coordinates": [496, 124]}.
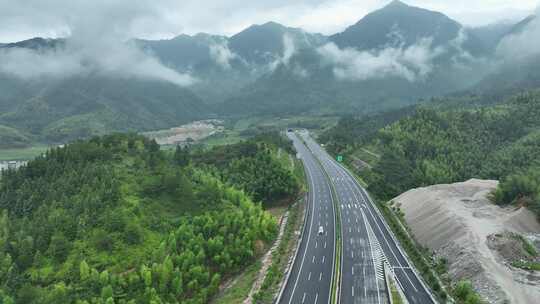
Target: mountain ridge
{"type": "Point", "coordinates": [273, 69]}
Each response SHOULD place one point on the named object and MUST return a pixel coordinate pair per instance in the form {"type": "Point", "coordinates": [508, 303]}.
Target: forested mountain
{"type": "Point", "coordinates": [184, 51]}
{"type": "Point", "coordinates": [428, 146]}
{"type": "Point", "coordinates": [79, 107]}
{"type": "Point", "coordinates": [224, 65]}
{"type": "Point", "coordinates": [399, 24]}
{"type": "Point", "coordinates": [59, 109]}
{"type": "Point", "coordinates": [255, 45]}
{"type": "Point", "coordinates": [389, 59]}
{"type": "Point", "coordinates": [116, 220]}
{"type": "Point", "coordinates": [263, 44]}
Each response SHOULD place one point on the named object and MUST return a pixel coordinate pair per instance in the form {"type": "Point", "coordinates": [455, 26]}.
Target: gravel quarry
{"type": "Point", "coordinates": [480, 240]}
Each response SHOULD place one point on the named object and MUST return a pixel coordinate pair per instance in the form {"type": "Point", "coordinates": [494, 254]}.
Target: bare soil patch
{"type": "Point", "coordinates": [458, 222]}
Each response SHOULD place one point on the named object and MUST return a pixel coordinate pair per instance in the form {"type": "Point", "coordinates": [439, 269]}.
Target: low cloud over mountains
{"type": "Point", "coordinates": [390, 58]}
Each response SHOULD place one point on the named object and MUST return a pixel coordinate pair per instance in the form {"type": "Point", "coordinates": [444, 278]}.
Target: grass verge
{"type": "Point", "coordinates": [280, 257]}
{"type": "Point", "coordinates": [237, 292]}
{"type": "Point", "coordinates": [394, 293]}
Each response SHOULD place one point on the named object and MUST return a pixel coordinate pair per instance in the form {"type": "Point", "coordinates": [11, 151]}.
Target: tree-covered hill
{"type": "Point", "coordinates": [116, 220]}
{"type": "Point", "coordinates": [81, 107]}
{"type": "Point", "coordinates": [257, 166]}
{"type": "Point", "coordinates": [380, 28]}
{"type": "Point", "coordinates": [431, 146]}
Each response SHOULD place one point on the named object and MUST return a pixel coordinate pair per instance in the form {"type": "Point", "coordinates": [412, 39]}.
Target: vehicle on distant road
{"type": "Point", "coordinates": [321, 230]}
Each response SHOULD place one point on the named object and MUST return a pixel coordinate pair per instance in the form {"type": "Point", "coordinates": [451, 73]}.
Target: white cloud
{"type": "Point", "coordinates": [166, 18]}
{"type": "Point", "coordinates": [222, 55]}
{"type": "Point", "coordinates": [117, 59]}
{"type": "Point", "coordinates": [26, 63]}
{"type": "Point", "coordinates": [479, 12]}
{"type": "Point", "coordinates": [411, 63]}
{"type": "Point", "coordinates": [98, 31]}
{"type": "Point", "coordinates": [289, 49]}
{"type": "Point", "coordinates": [523, 44]}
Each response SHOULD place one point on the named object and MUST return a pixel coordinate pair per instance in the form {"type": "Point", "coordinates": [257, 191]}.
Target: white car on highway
{"type": "Point", "coordinates": [321, 230]}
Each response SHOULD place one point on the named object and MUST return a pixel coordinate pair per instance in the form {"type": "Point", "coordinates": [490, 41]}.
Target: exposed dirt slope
{"type": "Point", "coordinates": [457, 220]}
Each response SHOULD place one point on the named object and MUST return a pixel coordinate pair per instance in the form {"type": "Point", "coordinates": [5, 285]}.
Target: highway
{"type": "Point", "coordinates": [310, 278]}
{"type": "Point", "coordinates": [364, 231]}
{"type": "Point", "coordinates": [362, 274]}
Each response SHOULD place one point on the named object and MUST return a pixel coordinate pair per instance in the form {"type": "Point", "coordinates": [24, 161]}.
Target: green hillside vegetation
{"type": "Point", "coordinates": [59, 111]}
{"type": "Point", "coordinates": [430, 146]}
{"type": "Point", "coordinates": [12, 138]}
{"type": "Point", "coordinates": [255, 165]}
{"type": "Point", "coordinates": [116, 220]}
{"type": "Point", "coordinates": [84, 126]}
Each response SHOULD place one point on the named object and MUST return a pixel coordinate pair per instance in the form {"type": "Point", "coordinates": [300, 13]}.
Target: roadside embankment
{"type": "Point", "coordinates": [477, 238]}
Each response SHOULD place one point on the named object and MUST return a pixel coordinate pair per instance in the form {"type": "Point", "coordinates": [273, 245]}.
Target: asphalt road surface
{"type": "Point", "coordinates": [362, 273]}
{"type": "Point", "coordinates": [310, 277]}
{"type": "Point", "coordinates": [364, 231]}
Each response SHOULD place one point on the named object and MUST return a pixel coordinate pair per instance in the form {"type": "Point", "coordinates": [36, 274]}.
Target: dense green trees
{"type": "Point", "coordinates": [116, 220]}
{"type": "Point", "coordinates": [522, 188]}
{"type": "Point", "coordinates": [260, 166]}
{"type": "Point", "coordinates": [431, 146]}
{"type": "Point", "coordinates": [351, 131]}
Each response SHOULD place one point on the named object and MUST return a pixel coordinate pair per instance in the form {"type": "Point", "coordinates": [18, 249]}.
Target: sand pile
{"type": "Point", "coordinates": [456, 221]}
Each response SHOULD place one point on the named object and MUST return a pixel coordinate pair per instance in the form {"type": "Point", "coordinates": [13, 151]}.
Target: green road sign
{"type": "Point", "coordinates": [340, 158]}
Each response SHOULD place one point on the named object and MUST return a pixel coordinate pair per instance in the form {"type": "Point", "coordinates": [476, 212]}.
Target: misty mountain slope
{"type": "Point", "coordinates": [282, 92]}
{"type": "Point", "coordinates": [218, 71]}
{"type": "Point", "coordinates": [286, 93]}
{"type": "Point", "coordinates": [184, 51]}
{"type": "Point", "coordinates": [86, 106]}
{"type": "Point", "coordinates": [400, 24]}
{"type": "Point", "coordinates": [518, 66]}
{"type": "Point", "coordinates": [490, 35]}
{"type": "Point", "coordinates": [13, 91]}
{"type": "Point", "coordinates": [36, 43]}
{"type": "Point", "coordinates": [520, 26]}
{"type": "Point", "coordinates": [12, 138]}
{"type": "Point", "coordinates": [255, 45]}
{"type": "Point", "coordinates": [262, 44]}
{"type": "Point", "coordinates": [374, 65]}
{"type": "Point", "coordinates": [225, 65]}
{"type": "Point", "coordinates": [391, 58]}
{"type": "Point", "coordinates": [511, 78]}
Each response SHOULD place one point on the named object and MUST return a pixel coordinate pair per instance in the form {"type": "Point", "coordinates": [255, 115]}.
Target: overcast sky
{"type": "Point", "coordinates": [23, 19]}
